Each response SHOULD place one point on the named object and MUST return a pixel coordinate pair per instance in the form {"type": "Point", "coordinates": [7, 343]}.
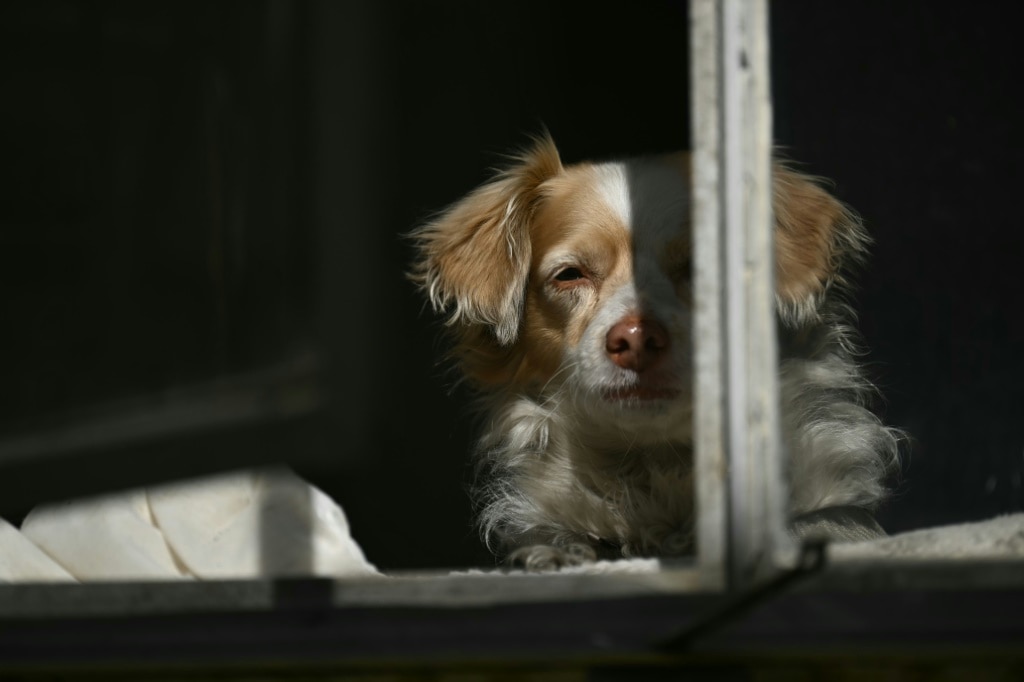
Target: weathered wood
{"type": "Point", "coordinates": [736, 385]}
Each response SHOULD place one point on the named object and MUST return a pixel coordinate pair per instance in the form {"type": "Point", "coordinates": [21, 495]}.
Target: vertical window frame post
{"type": "Point", "coordinates": [741, 490]}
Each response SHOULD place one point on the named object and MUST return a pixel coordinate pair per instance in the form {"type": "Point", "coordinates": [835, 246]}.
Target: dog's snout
{"type": "Point", "coordinates": [636, 343]}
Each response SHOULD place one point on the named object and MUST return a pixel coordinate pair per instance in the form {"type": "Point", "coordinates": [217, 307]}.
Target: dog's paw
{"type": "Point", "coordinates": [551, 558]}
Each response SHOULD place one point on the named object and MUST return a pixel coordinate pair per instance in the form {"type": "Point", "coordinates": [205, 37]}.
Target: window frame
{"type": "Point", "coordinates": [744, 550]}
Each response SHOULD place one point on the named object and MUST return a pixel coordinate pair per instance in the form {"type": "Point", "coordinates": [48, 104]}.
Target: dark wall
{"type": "Point", "coordinates": [912, 107]}
{"type": "Point", "coordinates": [165, 166]}
{"type": "Point", "coordinates": [149, 182]}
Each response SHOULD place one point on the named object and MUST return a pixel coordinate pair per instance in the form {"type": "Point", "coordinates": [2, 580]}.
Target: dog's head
{"type": "Point", "coordinates": [575, 280]}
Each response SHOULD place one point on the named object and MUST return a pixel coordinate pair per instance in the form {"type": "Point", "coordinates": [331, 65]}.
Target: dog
{"type": "Point", "coordinates": [567, 289]}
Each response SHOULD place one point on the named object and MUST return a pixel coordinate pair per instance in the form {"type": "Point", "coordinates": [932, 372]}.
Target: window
{"type": "Point", "coordinates": [310, 388]}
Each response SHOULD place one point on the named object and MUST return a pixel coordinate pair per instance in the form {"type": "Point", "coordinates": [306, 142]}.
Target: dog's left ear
{"type": "Point", "coordinates": [816, 237]}
{"type": "Point", "coordinates": [474, 260]}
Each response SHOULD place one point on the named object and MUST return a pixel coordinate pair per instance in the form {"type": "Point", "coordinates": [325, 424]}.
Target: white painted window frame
{"type": "Point", "coordinates": [741, 490]}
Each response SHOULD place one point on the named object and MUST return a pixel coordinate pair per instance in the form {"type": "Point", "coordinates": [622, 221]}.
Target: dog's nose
{"type": "Point", "coordinates": [636, 343]}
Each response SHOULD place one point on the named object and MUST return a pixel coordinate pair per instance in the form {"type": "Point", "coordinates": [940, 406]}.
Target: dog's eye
{"type": "Point", "coordinates": [569, 275]}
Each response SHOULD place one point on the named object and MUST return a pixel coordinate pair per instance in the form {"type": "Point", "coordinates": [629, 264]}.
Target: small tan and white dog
{"type": "Point", "coordinates": [568, 292]}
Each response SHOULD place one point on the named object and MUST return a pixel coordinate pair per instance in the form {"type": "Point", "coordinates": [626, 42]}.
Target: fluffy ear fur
{"type": "Point", "coordinates": [474, 259]}
{"type": "Point", "coordinates": [816, 236]}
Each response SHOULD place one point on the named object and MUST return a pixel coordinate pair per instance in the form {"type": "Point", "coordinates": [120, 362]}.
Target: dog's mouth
{"type": "Point", "coordinates": [641, 394]}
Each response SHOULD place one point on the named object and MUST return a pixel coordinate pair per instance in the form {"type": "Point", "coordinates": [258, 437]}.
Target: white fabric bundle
{"type": "Point", "coordinates": [213, 528]}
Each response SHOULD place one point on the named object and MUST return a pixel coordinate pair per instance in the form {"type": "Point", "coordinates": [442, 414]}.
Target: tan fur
{"type": "Point", "coordinates": [815, 235]}
{"type": "Point", "coordinates": [481, 245]}
{"type": "Point", "coordinates": [569, 218]}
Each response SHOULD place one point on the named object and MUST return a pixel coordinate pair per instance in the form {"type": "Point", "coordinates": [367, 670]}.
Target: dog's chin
{"type": "Point", "coordinates": [641, 396]}
{"type": "Point", "coordinates": [651, 414]}
{"type": "Point", "coordinates": [641, 400]}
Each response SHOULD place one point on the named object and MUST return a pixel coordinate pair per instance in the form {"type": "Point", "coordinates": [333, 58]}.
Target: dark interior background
{"type": "Point", "coordinates": [173, 172]}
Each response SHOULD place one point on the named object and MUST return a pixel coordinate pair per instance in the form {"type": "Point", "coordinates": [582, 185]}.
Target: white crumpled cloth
{"type": "Point", "coordinates": [212, 528]}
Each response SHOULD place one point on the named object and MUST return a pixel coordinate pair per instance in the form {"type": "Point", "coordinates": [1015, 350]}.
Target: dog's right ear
{"type": "Point", "coordinates": [474, 260]}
